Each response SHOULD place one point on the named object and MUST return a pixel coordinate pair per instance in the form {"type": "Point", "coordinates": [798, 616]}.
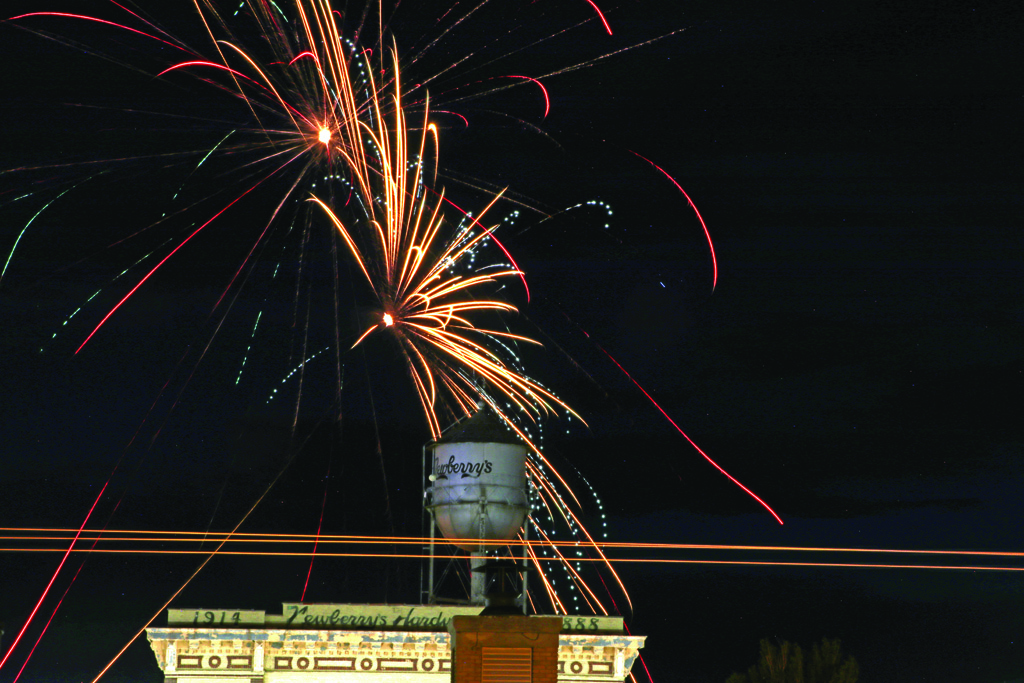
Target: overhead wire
{"type": "Point", "coordinates": [425, 556]}
{"type": "Point", "coordinates": [12, 534]}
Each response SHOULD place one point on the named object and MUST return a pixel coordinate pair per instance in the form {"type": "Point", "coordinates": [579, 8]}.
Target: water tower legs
{"type": "Point", "coordinates": [478, 578]}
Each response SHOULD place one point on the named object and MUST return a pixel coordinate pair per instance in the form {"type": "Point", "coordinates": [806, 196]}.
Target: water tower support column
{"type": "Point", "coordinates": [477, 560]}
{"type": "Point", "coordinates": [478, 578]}
{"type": "Point", "coordinates": [525, 595]}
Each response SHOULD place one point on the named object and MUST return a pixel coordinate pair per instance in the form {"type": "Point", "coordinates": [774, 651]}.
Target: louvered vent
{"type": "Point", "coordinates": [507, 665]}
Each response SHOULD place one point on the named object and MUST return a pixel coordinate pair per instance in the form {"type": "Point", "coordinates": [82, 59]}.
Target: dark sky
{"type": "Point", "coordinates": [859, 364]}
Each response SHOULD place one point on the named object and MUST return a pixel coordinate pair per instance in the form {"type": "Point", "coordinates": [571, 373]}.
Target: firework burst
{"type": "Point", "coordinates": [411, 265]}
{"type": "Point", "coordinates": [410, 259]}
{"type": "Point", "coordinates": [324, 110]}
{"type": "Point", "coordinates": [320, 112]}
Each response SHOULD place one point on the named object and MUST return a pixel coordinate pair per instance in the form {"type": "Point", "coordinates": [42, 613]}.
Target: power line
{"type": "Point", "coordinates": [154, 536]}
{"type": "Point", "coordinates": [623, 560]}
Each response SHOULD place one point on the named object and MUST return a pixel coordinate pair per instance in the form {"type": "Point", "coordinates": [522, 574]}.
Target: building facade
{"type": "Point", "coordinates": [358, 644]}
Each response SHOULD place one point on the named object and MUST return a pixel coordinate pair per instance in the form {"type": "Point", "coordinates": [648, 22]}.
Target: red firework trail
{"type": "Point", "coordinates": [464, 119]}
{"type": "Point", "coordinates": [157, 267]}
{"type": "Point", "coordinates": [601, 15]}
{"type": "Point", "coordinates": [685, 436]}
{"type": "Point", "coordinates": [203, 62]}
{"type": "Point", "coordinates": [625, 626]}
{"type": "Point", "coordinates": [98, 21]}
{"type": "Point", "coordinates": [53, 578]}
{"type": "Point", "coordinates": [47, 626]}
{"type": "Point", "coordinates": [57, 608]}
{"type": "Point", "coordinates": [547, 100]}
{"type": "Point", "coordinates": [490, 234]}
{"type": "Point", "coordinates": [707, 233]}
{"type": "Point", "coordinates": [319, 526]}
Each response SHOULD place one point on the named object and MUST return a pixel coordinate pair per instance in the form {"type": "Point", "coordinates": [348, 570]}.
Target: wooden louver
{"type": "Point", "coordinates": [507, 665]}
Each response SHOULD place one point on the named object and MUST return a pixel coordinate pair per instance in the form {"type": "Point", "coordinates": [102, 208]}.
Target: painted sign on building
{"type": "Point", "coordinates": [381, 617]}
{"type": "Point", "coordinates": [373, 617]}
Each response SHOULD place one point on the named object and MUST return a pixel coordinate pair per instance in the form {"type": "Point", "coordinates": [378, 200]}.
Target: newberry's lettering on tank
{"type": "Point", "coordinates": [466, 469]}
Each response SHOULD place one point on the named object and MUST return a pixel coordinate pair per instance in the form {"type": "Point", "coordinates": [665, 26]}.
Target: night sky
{"type": "Point", "coordinates": [859, 365]}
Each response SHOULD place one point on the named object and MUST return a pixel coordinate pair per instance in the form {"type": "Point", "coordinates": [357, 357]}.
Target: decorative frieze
{"type": "Point", "coordinates": [256, 654]}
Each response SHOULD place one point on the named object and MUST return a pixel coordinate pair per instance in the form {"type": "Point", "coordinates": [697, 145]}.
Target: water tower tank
{"type": "Point", "coordinates": [479, 482]}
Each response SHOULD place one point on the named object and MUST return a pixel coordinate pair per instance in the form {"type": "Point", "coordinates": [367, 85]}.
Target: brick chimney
{"type": "Point", "coordinates": [505, 649]}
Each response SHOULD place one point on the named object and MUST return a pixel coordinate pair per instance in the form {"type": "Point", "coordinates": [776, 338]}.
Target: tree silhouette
{"type": "Point", "coordinates": [828, 666]}
{"type": "Point", "coordinates": [784, 663]}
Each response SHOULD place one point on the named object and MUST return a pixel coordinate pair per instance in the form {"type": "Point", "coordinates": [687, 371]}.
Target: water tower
{"type": "Point", "coordinates": [477, 491]}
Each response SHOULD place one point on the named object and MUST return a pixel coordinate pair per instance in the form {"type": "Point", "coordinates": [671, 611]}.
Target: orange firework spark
{"type": "Point", "coordinates": [306, 103]}
{"type": "Point", "coordinates": [408, 257]}
{"type": "Point", "coordinates": [319, 108]}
